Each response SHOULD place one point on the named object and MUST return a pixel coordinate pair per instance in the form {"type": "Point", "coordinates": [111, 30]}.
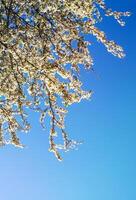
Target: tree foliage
{"type": "Point", "coordinates": [42, 47]}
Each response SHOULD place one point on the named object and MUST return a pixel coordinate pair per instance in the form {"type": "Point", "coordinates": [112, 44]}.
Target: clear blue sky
{"type": "Point", "coordinates": [104, 167]}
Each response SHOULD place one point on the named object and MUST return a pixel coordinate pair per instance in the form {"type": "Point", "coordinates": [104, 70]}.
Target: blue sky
{"type": "Point", "coordinates": [104, 166]}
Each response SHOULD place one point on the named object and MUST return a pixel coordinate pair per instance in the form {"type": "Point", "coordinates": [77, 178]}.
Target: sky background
{"type": "Point", "coordinates": [104, 167]}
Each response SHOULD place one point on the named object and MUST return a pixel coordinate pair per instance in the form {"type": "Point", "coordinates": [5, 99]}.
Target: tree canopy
{"type": "Point", "coordinates": [42, 48]}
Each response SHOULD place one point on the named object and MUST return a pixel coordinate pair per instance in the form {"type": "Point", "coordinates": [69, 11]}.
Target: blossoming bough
{"type": "Point", "coordinates": [42, 47]}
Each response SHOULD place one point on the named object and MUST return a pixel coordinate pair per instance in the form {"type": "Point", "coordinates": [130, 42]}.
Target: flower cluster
{"type": "Point", "coordinates": [42, 47]}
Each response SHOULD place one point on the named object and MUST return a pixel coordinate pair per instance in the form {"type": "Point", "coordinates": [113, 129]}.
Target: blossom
{"type": "Point", "coordinates": [42, 47]}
